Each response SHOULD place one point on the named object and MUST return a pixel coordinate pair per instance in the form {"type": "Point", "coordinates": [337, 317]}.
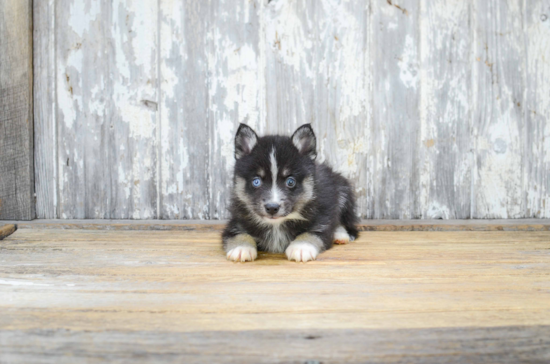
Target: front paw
{"type": "Point", "coordinates": [341, 236]}
{"type": "Point", "coordinates": [242, 253]}
{"type": "Point", "coordinates": [301, 251]}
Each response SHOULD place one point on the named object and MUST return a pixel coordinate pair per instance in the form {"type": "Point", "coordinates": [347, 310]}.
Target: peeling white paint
{"type": "Point", "coordinates": [445, 94]}
{"type": "Point", "coordinates": [144, 33]}
{"type": "Point", "coordinates": [437, 211]}
{"type": "Point", "coordinates": [278, 64]}
{"type": "Point", "coordinates": [141, 124]}
{"type": "Point", "coordinates": [286, 36]}
{"type": "Point", "coordinates": [123, 180]}
{"type": "Point", "coordinates": [408, 64]}
{"type": "Point", "coordinates": [83, 11]}
{"type": "Point", "coordinates": [499, 177]}
{"type": "Point", "coordinates": [350, 54]}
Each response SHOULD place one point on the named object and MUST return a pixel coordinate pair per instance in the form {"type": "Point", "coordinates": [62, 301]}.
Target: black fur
{"type": "Point", "coordinates": [332, 202]}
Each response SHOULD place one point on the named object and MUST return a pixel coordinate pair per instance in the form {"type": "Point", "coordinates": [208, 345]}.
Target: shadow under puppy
{"type": "Point", "coordinates": [282, 201]}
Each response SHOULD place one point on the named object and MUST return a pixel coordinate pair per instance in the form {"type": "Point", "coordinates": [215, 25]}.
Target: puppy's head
{"type": "Point", "coordinates": [274, 175]}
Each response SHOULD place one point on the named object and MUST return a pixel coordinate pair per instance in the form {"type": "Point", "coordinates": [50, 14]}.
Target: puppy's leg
{"type": "Point", "coordinates": [241, 248]}
{"type": "Point", "coordinates": [341, 236]}
{"type": "Point", "coordinates": [304, 248]}
{"type": "Point", "coordinates": [348, 218]}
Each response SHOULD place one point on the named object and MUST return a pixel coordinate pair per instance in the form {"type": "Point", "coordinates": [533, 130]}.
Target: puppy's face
{"type": "Point", "coordinates": [274, 174]}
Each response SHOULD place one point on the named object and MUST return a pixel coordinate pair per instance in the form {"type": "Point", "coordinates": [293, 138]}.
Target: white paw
{"type": "Point", "coordinates": [242, 253]}
{"type": "Point", "coordinates": [341, 236]}
{"type": "Point", "coordinates": [301, 252]}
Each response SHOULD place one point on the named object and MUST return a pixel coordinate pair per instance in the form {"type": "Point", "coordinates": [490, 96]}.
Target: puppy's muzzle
{"type": "Point", "coordinates": [272, 208]}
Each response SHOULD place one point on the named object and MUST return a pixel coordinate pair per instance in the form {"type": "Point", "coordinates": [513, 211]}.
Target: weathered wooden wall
{"type": "Point", "coordinates": [434, 108]}
{"type": "Point", "coordinates": [16, 122]}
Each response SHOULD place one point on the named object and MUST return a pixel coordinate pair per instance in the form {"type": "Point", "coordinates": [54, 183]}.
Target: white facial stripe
{"type": "Point", "coordinates": [274, 173]}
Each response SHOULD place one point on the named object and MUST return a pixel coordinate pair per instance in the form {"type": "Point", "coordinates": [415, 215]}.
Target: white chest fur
{"type": "Point", "coordinates": [277, 239]}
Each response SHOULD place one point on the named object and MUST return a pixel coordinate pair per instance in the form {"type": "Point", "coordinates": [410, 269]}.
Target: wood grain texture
{"type": "Point", "coordinates": [396, 113]}
{"type": "Point", "coordinates": [536, 147]}
{"type": "Point", "coordinates": [16, 119]}
{"type": "Point", "coordinates": [445, 109]}
{"type": "Point", "coordinates": [107, 96]}
{"type": "Point", "coordinates": [235, 88]}
{"type": "Point", "coordinates": [184, 153]}
{"type": "Point", "coordinates": [504, 345]}
{"type": "Point", "coordinates": [172, 295]}
{"type": "Point", "coordinates": [434, 109]}
{"type": "Point", "coordinates": [499, 91]}
{"type": "Point", "coordinates": [83, 127]}
{"type": "Point", "coordinates": [45, 127]}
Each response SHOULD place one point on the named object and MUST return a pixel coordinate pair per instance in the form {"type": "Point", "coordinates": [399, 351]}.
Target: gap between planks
{"type": "Point", "coordinates": [365, 225]}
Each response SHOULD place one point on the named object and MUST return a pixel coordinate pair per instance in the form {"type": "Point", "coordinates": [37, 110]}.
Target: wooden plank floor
{"type": "Point", "coordinates": [91, 296]}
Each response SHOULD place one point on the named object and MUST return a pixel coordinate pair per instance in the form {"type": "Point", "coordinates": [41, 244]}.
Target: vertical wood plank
{"type": "Point", "coordinates": [290, 62]}
{"type": "Point", "coordinates": [135, 86]}
{"type": "Point", "coordinates": [183, 108]}
{"type": "Point", "coordinates": [342, 91]}
{"type": "Point", "coordinates": [318, 72]}
{"type": "Point", "coordinates": [107, 108]}
{"type": "Point", "coordinates": [396, 120]}
{"type": "Point", "coordinates": [445, 109]}
{"type": "Point", "coordinates": [83, 94]}
{"type": "Point", "coordinates": [537, 110]}
{"type": "Point", "coordinates": [498, 120]}
{"type": "Point", "coordinates": [16, 116]}
{"type": "Point", "coordinates": [235, 88]}
{"type": "Point", "coordinates": [45, 135]}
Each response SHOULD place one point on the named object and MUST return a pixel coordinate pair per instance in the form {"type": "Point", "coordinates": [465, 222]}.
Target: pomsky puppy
{"type": "Point", "coordinates": [282, 201]}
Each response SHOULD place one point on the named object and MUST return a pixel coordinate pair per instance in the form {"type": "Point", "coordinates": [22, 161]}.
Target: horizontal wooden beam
{"type": "Point", "coordinates": [425, 345]}
{"type": "Point", "coordinates": [365, 225]}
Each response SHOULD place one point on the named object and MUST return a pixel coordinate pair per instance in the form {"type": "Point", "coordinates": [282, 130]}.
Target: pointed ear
{"type": "Point", "coordinates": [245, 141]}
{"type": "Point", "coordinates": [304, 139]}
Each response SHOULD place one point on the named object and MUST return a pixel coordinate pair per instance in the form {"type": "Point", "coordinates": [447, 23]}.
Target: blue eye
{"type": "Point", "coordinates": [257, 182]}
{"type": "Point", "coordinates": [290, 182]}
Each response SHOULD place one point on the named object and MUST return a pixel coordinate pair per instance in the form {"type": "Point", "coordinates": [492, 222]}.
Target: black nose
{"type": "Point", "coordinates": [272, 208]}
